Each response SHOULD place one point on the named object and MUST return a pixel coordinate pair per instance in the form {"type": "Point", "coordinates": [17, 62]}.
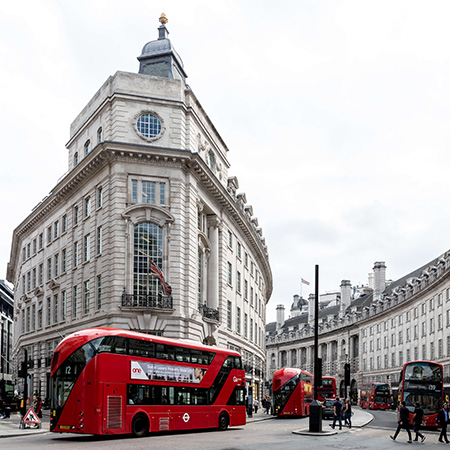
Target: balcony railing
{"type": "Point", "coordinates": [209, 313]}
{"type": "Point", "coordinates": [147, 301]}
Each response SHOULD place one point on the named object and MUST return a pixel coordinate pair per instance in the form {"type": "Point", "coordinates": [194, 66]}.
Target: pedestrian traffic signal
{"type": "Point", "coordinates": [347, 374]}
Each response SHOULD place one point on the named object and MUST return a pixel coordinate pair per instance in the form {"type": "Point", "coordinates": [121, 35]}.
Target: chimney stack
{"type": "Point", "coordinates": [280, 316]}
{"type": "Point", "coordinates": [346, 291]}
{"type": "Point", "coordinates": [379, 279]}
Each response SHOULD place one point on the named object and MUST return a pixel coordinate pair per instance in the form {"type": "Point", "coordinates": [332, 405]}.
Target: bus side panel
{"type": "Point", "coordinates": [114, 399]}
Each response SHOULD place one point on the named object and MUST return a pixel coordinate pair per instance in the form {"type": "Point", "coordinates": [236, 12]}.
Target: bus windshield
{"type": "Point", "coordinates": [430, 401]}
{"type": "Point", "coordinates": [423, 371]}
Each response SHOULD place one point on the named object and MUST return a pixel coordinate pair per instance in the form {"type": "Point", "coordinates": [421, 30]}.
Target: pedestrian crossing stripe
{"type": "Point", "coordinates": [31, 417]}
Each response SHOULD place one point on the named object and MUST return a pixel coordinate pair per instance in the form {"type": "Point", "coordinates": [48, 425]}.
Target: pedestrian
{"type": "Point", "coordinates": [417, 420]}
{"type": "Point", "coordinates": [348, 413]}
{"type": "Point", "coordinates": [403, 421]}
{"type": "Point", "coordinates": [268, 404]}
{"type": "Point", "coordinates": [38, 410]}
{"type": "Point", "coordinates": [337, 413]}
{"type": "Point", "coordinates": [442, 420]}
{"type": "Point", "coordinates": [263, 403]}
{"type": "Point", "coordinates": [256, 405]}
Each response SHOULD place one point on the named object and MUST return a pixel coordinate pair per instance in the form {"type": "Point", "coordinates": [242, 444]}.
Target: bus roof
{"type": "Point", "coordinates": [75, 340]}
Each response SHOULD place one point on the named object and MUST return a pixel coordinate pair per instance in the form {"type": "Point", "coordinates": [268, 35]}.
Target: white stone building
{"type": "Point", "coordinates": [376, 329]}
{"type": "Point", "coordinates": [148, 183]}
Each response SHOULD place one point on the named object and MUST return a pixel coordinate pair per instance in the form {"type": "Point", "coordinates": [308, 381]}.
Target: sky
{"type": "Point", "coordinates": [336, 115]}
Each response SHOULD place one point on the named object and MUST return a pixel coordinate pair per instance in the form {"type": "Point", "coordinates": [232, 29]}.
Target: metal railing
{"type": "Point", "coordinates": [209, 313]}
{"type": "Point", "coordinates": [147, 301]}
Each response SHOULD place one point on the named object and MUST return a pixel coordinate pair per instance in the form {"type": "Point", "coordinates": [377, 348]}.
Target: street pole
{"type": "Point", "coordinates": [315, 408]}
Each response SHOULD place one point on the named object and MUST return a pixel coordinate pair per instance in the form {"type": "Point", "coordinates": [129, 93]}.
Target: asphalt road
{"type": "Point", "coordinates": [265, 435]}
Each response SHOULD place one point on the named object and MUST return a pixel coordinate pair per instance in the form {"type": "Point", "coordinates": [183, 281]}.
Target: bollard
{"type": "Point", "coordinates": [315, 417]}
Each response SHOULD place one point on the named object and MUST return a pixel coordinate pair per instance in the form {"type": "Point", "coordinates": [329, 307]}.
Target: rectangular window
{"type": "Point", "coordinates": [230, 274]}
{"type": "Point", "coordinates": [424, 329]}
{"type": "Point", "coordinates": [251, 296]}
{"type": "Point", "coordinates": [238, 281]}
{"type": "Point", "coordinates": [75, 254]}
{"type": "Point", "coordinates": [99, 197]}
{"type": "Point", "coordinates": [56, 265]}
{"type": "Point", "coordinates": [408, 355]}
{"type": "Point", "coordinates": [99, 291]}
{"type": "Point", "coordinates": [392, 340]}
{"type": "Point", "coordinates": [34, 278]}
{"type": "Point", "coordinates": [230, 239]}
{"type": "Point", "coordinates": [238, 320]}
{"type": "Point", "coordinates": [41, 241]}
{"type": "Point", "coordinates": [39, 315]}
{"type": "Point", "coordinates": [246, 289]}
{"type": "Point", "coordinates": [49, 235]}
{"type": "Point", "coordinates": [431, 351]}
{"type": "Point", "coordinates": [49, 310]}
{"type": "Point", "coordinates": [63, 305]}
{"type": "Point", "coordinates": [99, 240]}
{"type": "Point", "coordinates": [440, 349]}
{"type": "Point", "coordinates": [64, 223]}
{"type": "Point", "coordinates": [239, 250]}
{"type": "Point", "coordinates": [424, 352]}
{"type": "Point", "coordinates": [440, 322]}
{"type": "Point", "coordinates": [87, 207]}
{"type": "Point", "coordinates": [74, 301]}
{"type": "Point", "coordinates": [229, 314]}
{"type": "Point", "coordinates": [87, 247]}
{"type": "Point", "coordinates": [86, 297]}
{"type": "Point", "coordinates": [416, 353]}
{"type": "Point", "coordinates": [416, 332]}
{"type": "Point", "coordinates": [400, 358]}
{"type": "Point", "coordinates": [56, 229]}
{"type": "Point", "coordinates": [33, 317]}
{"type": "Point", "coordinates": [55, 308]}
{"type": "Point", "coordinates": [134, 191]}
{"type": "Point", "coordinates": [76, 217]}
{"type": "Point", "coordinates": [34, 246]}
{"type": "Point", "coordinates": [251, 329]}
{"type": "Point", "coordinates": [41, 274]}
{"type": "Point", "coordinates": [149, 192]}
{"type": "Point", "coordinates": [63, 260]}
{"type": "Point", "coordinates": [400, 337]}
{"type": "Point", "coordinates": [49, 269]}
{"type": "Point", "coordinates": [431, 325]}
{"type": "Point", "coordinates": [416, 313]}
{"type": "Point", "coordinates": [245, 325]}
{"type": "Point", "coordinates": [162, 193]}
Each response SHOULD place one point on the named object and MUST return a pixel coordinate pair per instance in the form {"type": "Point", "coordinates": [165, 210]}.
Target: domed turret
{"type": "Point", "coordinates": [159, 58]}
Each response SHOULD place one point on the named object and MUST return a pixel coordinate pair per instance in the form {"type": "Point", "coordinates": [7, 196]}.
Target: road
{"type": "Point", "coordinates": [265, 435]}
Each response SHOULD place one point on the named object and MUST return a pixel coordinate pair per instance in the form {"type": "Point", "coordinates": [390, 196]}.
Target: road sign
{"type": "Point", "coordinates": [31, 418]}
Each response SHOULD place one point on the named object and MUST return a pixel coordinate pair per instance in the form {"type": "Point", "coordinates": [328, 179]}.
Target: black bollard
{"type": "Point", "coordinates": [315, 417]}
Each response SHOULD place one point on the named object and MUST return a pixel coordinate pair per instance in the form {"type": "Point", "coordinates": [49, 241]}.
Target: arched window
{"type": "Point", "coordinates": [87, 148]}
{"type": "Point", "coordinates": [148, 248]}
{"type": "Point", "coordinates": [211, 161]}
{"type": "Point", "coordinates": [99, 135]}
{"type": "Point", "coordinates": [75, 159]}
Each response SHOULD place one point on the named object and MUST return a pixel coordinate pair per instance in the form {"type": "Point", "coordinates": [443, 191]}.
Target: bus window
{"type": "Point", "coordinates": [144, 349]}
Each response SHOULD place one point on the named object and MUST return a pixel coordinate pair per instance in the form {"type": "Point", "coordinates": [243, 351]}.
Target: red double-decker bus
{"type": "Point", "coordinates": [423, 382]}
{"type": "Point", "coordinates": [375, 396]}
{"type": "Point", "coordinates": [292, 392]}
{"type": "Point", "coordinates": [111, 381]}
{"type": "Point", "coordinates": [327, 389]}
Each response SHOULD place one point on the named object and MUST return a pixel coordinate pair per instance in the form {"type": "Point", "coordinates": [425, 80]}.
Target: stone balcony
{"type": "Point", "coordinates": [159, 302]}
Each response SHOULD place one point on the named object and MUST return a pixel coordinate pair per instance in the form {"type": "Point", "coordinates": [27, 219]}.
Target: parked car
{"type": "Point", "coordinates": [328, 409]}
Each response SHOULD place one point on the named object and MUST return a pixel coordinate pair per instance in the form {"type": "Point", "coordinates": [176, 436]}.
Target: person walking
{"type": "Point", "coordinates": [268, 404]}
{"type": "Point", "coordinates": [442, 420]}
{"type": "Point", "coordinates": [348, 413]}
{"type": "Point", "coordinates": [403, 421]}
{"type": "Point", "coordinates": [256, 405]}
{"type": "Point", "coordinates": [337, 410]}
{"type": "Point", "coordinates": [417, 420]}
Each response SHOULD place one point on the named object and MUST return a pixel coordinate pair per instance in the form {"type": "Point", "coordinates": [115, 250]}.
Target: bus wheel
{"type": "Point", "coordinates": [140, 425]}
{"type": "Point", "coordinates": [223, 421]}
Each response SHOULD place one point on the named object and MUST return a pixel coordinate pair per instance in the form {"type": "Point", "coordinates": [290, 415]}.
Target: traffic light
{"type": "Point", "coordinates": [23, 371]}
{"type": "Point", "coordinates": [347, 374]}
{"type": "Point", "coordinates": [319, 372]}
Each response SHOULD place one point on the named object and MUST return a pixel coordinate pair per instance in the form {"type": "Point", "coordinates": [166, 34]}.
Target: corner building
{"type": "Point", "coordinates": [147, 186]}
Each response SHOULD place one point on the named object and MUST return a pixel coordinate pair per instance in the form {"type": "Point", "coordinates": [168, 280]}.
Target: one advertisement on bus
{"type": "Point", "coordinates": [165, 372]}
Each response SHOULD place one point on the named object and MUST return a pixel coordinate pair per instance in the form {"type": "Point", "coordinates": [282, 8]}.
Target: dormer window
{"type": "Point", "coordinates": [211, 161]}
{"type": "Point", "coordinates": [87, 148]}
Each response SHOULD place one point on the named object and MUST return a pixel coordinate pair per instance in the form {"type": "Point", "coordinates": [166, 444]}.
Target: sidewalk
{"type": "Point", "coordinates": [10, 427]}
{"type": "Point", "coordinates": [360, 419]}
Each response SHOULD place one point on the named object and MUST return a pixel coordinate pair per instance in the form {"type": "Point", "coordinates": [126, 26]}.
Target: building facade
{"type": "Point", "coordinates": [146, 231]}
{"type": "Point", "coordinates": [6, 331]}
{"type": "Point", "coordinates": [375, 328]}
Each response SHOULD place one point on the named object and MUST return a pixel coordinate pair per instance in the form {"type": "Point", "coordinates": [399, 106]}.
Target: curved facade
{"type": "Point", "coordinates": [375, 328]}
{"type": "Point", "coordinates": [146, 231]}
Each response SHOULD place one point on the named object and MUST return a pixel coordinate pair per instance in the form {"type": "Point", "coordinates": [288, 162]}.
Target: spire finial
{"type": "Point", "coordinates": [163, 19]}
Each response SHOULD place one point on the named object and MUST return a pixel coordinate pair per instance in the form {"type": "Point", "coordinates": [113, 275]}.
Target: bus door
{"type": "Point", "coordinates": [190, 410]}
{"type": "Point", "coordinates": [114, 399]}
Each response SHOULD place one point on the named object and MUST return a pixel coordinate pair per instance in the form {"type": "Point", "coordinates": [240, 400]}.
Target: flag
{"type": "Point", "coordinates": [155, 271]}
{"type": "Point", "coordinates": [305, 282]}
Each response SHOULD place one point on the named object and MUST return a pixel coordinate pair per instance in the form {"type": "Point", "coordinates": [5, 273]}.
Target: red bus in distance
{"type": "Point", "coordinates": [423, 382]}
{"type": "Point", "coordinates": [110, 381]}
{"type": "Point", "coordinates": [327, 389]}
{"type": "Point", "coordinates": [375, 396]}
{"type": "Point", "coordinates": [292, 392]}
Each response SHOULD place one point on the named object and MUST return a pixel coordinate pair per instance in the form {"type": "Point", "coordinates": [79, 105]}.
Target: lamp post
{"type": "Point", "coordinates": [315, 408]}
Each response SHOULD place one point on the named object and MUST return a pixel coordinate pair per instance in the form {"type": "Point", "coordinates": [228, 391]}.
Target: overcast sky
{"type": "Point", "coordinates": [336, 114]}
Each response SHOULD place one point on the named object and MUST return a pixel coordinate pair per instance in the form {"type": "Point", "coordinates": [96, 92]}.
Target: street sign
{"type": "Point", "coordinates": [31, 418]}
